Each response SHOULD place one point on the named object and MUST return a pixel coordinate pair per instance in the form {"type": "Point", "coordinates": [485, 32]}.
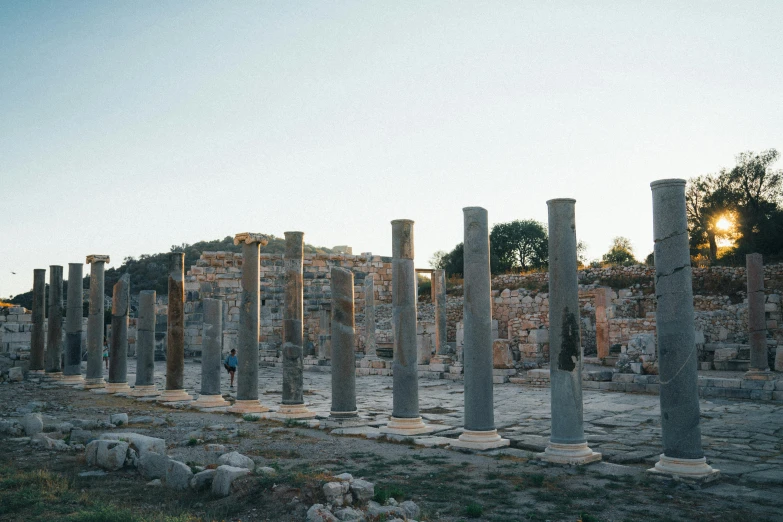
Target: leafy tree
{"type": "Point", "coordinates": [620, 253]}
{"type": "Point", "coordinates": [436, 260]}
{"type": "Point", "coordinates": [707, 199]}
{"type": "Point", "coordinates": [453, 262]}
{"type": "Point", "coordinates": [519, 245]}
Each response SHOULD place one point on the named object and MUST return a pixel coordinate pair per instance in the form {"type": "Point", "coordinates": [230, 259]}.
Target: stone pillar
{"type": "Point", "coordinates": [211, 356]}
{"type": "Point", "coordinates": [175, 333]}
{"type": "Point", "coordinates": [38, 335]}
{"type": "Point", "coordinates": [439, 298]}
{"type": "Point", "coordinates": [682, 451]}
{"type": "Point", "coordinates": [118, 348]}
{"type": "Point", "coordinates": [343, 337]}
{"type": "Point", "coordinates": [293, 406]}
{"type": "Point", "coordinates": [72, 371]}
{"type": "Point", "coordinates": [480, 432]}
{"type": "Point", "coordinates": [567, 442]}
{"type": "Point", "coordinates": [405, 419]}
{"type": "Point", "coordinates": [54, 332]}
{"type": "Point", "coordinates": [247, 338]}
{"type": "Point", "coordinates": [757, 321]}
{"type": "Point", "coordinates": [95, 321]}
{"type": "Point", "coordinates": [145, 346]}
{"type": "Point", "coordinates": [370, 344]}
{"type": "Point", "coordinates": [601, 323]}
{"type": "Point", "coordinates": [324, 334]}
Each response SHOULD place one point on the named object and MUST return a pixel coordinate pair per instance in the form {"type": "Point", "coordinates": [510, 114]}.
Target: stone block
{"type": "Point", "coordinates": [153, 465]}
{"type": "Point", "coordinates": [623, 377]}
{"type": "Point", "coordinates": [237, 460]}
{"type": "Point", "coordinates": [501, 354]}
{"type": "Point", "coordinates": [32, 424]}
{"type": "Point", "coordinates": [362, 490]}
{"type": "Point", "coordinates": [224, 477]}
{"type": "Point", "coordinates": [142, 444]}
{"type": "Point", "coordinates": [538, 336]}
{"type": "Point", "coordinates": [178, 475]}
{"type": "Point", "coordinates": [726, 354]}
{"type": "Point", "coordinates": [107, 454]}
{"type": "Point", "coordinates": [15, 374]}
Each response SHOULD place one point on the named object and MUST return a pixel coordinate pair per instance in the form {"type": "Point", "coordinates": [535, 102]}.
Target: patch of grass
{"type": "Point", "coordinates": [249, 417]}
{"type": "Point", "coordinates": [474, 510]}
{"type": "Point", "coordinates": [382, 494]}
{"type": "Point", "coordinates": [103, 514]}
{"type": "Point", "coordinates": [192, 441]}
{"type": "Point", "coordinates": [587, 517]}
{"type": "Point", "coordinates": [294, 423]}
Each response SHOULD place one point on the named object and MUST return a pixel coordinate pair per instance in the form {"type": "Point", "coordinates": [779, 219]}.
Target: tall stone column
{"type": "Point", "coordinates": [145, 346]}
{"type": "Point", "coordinates": [293, 406]}
{"type": "Point", "coordinates": [439, 298]}
{"type": "Point", "coordinates": [757, 321]}
{"type": "Point", "coordinates": [682, 456]}
{"type": "Point", "coordinates": [567, 442]}
{"type": "Point", "coordinates": [54, 332]}
{"type": "Point", "coordinates": [370, 344]}
{"type": "Point", "coordinates": [343, 337]}
{"type": "Point", "coordinates": [480, 432]}
{"type": "Point", "coordinates": [405, 419]}
{"type": "Point", "coordinates": [324, 334]}
{"type": "Point", "coordinates": [95, 330]}
{"type": "Point", "coordinates": [175, 333]}
{"type": "Point", "coordinates": [74, 310]}
{"type": "Point", "coordinates": [118, 349]}
{"type": "Point", "coordinates": [211, 351]}
{"type": "Point", "coordinates": [601, 323]}
{"type": "Point", "coordinates": [38, 335]}
{"type": "Point", "coordinates": [249, 328]}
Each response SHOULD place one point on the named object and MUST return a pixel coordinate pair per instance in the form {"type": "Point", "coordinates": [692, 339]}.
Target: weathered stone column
{"type": "Point", "coordinates": [211, 351]}
{"type": "Point", "coordinates": [54, 332]}
{"type": "Point", "coordinates": [601, 323]}
{"type": "Point", "coordinates": [145, 346]}
{"type": "Point", "coordinates": [293, 406]}
{"type": "Point", "coordinates": [38, 335]}
{"type": "Point", "coordinates": [175, 333]}
{"type": "Point", "coordinates": [247, 338]}
{"type": "Point", "coordinates": [567, 442]}
{"type": "Point", "coordinates": [480, 432]}
{"type": "Point", "coordinates": [118, 349]}
{"type": "Point", "coordinates": [95, 321]}
{"type": "Point", "coordinates": [343, 337]}
{"type": "Point", "coordinates": [405, 419]}
{"type": "Point", "coordinates": [74, 310]}
{"type": "Point", "coordinates": [324, 334]}
{"type": "Point", "coordinates": [757, 321]}
{"type": "Point", "coordinates": [370, 344]}
{"type": "Point", "coordinates": [438, 278]}
{"type": "Point", "coordinates": [682, 451]}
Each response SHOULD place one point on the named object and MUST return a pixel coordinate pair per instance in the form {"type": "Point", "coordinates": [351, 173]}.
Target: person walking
{"type": "Point", "coordinates": [231, 366]}
{"type": "Point", "coordinates": [106, 353]}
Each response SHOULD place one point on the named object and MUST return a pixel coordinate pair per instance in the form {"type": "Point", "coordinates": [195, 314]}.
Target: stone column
{"type": "Point", "coordinates": [175, 333]}
{"type": "Point", "coordinates": [343, 337]}
{"type": "Point", "coordinates": [601, 323]}
{"type": "Point", "coordinates": [567, 442]}
{"type": "Point", "coordinates": [480, 432]}
{"type": "Point", "coordinates": [405, 419]}
{"type": "Point", "coordinates": [54, 333]}
{"type": "Point", "coordinates": [95, 321]}
{"type": "Point", "coordinates": [247, 338]}
{"type": "Point", "coordinates": [682, 451]}
{"type": "Point", "coordinates": [757, 321]}
{"type": "Point", "coordinates": [211, 360]}
{"type": "Point", "coordinates": [439, 298]}
{"type": "Point", "coordinates": [145, 346]}
{"type": "Point", "coordinates": [370, 344]}
{"type": "Point", "coordinates": [324, 335]}
{"type": "Point", "coordinates": [38, 335]}
{"type": "Point", "coordinates": [118, 348]}
{"type": "Point", "coordinates": [293, 406]}
{"type": "Point", "coordinates": [74, 310]}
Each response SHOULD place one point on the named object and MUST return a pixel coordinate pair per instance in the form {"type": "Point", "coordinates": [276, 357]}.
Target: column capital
{"type": "Point", "coordinates": [250, 238]}
{"type": "Point", "coordinates": [97, 258]}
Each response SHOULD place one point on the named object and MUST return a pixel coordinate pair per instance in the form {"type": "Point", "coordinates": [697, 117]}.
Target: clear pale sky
{"type": "Point", "coordinates": [127, 127]}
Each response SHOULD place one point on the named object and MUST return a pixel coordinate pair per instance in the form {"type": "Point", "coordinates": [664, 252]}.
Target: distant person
{"type": "Point", "coordinates": [106, 353]}
{"type": "Point", "coordinates": [231, 365]}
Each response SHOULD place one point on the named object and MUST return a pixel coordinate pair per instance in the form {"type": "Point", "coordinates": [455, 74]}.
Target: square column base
{"type": "Point", "coordinates": [53, 376]}
{"type": "Point", "coordinates": [406, 427]}
{"type": "Point", "coordinates": [340, 416]}
{"type": "Point", "coordinates": [210, 401]}
{"type": "Point", "coordinates": [117, 387]}
{"type": "Point", "coordinates": [174, 396]}
{"type": "Point", "coordinates": [480, 440]}
{"type": "Point", "coordinates": [688, 470]}
{"type": "Point", "coordinates": [293, 411]}
{"type": "Point", "coordinates": [89, 384]}
{"type": "Point", "coordinates": [145, 390]}
{"type": "Point", "coordinates": [571, 454]}
{"type": "Point", "coordinates": [248, 406]}
{"type": "Point", "coordinates": [72, 380]}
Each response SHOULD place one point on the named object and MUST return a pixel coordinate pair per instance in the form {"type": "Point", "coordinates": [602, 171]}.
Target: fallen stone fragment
{"type": "Point", "coordinates": [153, 465]}
{"type": "Point", "coordinates": [97, 473]}
{"type": "Point", "coordinates": [376, 510]}
{"type": "Point", "coordinates": [411, 509]}
{"type": "Point", "coordinates": [79, 436]}
{"type": "Point", "coordinates": [178, 475]}
{"type": "Point", "coordinates": [107, 454]}
{"type": "Point", "coordinates": [225, 475]}
{"type": "Point", "coordinates": [32, 424]}
{"type": "Point", "coordinates": [202, 479]}
{"type": "Point", "coordinates": [141, 443]}
{"type": "Point", "coordinates": [118, 419]}
{"type": "Point", "coordinates": [350, 514]}
{"type": "Point", "coordinates": [155, 482]}
{"type": "Point", "coordinates": [319, 513]}
{"type": "Point", "coordinates": [362, 490]}
{"type": "Point", "coordinates": [15, 374]}
{"type": "Point", "coordinates": [335, 491]}
{"type": "Point", "coordinates": [237, 460]}
{"type": "Point", "coordinates": [41, 440]}
{"type": "Point", "coordinates": [266, 471]}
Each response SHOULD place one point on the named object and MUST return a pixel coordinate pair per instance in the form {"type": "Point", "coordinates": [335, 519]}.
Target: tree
{"type": "Point", "coordinates": [453, 262]}
{"type": "Point", "coordinates": [707, 199]}
{"type": "Point", "coordinates": [436, 260]}
{"type": "Point", "coordinates": [581, 253]}
{"type": "Point", "coordinates": [620, 253]}
{"type": "Point", "coordinates": [519, 245]}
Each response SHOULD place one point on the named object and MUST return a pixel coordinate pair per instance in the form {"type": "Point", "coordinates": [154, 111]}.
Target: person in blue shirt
{"type": "Point", "coordinates": [231, 365]}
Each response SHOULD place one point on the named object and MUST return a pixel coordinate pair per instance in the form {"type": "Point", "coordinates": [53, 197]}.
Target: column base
{"type": "Point", "coordinates": [210, 401]}
{"type": "Point", "coordinates": [174, 396]}
{"type": "Point", "coordinates": [403, 426]}
{"type": "Point", "coordinates": [480, 440]}
{"type": "Point", "coordinates": [53, 376]}
{"type": "Point", "coordinates": [293, 411]}
{"type": "Point", "coordinates": [441, 359]}
{"type": "Point", "coordinates": [759, 375]}
{"type": "Point", "coordinates": [573, 454]}
{"type": "Point", "coordinates": [248, 406]}
{"type": "Point", "coordinates": [692, 470]}
{"type": "Point", "coordinates": [343, 415]}
{"type": "Point", "coordinates": [36, 372]}
{"type": "Point", "coordinates": [117, 387]}
{"type": "Point", "coordinates": [144, 390]}
{"type": "Point", "coordinates": [72, 380]}
{"type": "Point", "coordinates": [89, 384]}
